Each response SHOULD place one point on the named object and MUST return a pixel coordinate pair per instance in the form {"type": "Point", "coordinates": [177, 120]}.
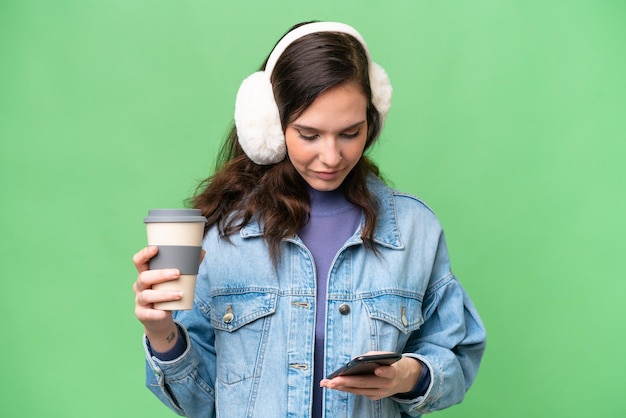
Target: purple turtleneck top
{"type": "Point", "coordinates": [333, 220]}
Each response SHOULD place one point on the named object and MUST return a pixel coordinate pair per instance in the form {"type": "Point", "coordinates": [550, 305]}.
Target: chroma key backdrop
{"type": "Point", "coordinates": [508, 119]}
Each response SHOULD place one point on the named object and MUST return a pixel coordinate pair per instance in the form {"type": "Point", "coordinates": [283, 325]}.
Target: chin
{"type": "Point", "coordinates": [325, 186]}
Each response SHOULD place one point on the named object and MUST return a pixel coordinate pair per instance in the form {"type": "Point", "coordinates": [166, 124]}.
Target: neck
{"type": "Point", "coordinates": [322, 202]}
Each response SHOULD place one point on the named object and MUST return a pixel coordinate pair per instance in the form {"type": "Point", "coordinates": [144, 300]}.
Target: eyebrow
{"type": "Point", "coordinates": [310, 128]}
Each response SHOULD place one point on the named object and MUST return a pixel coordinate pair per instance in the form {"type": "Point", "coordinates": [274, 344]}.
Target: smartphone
{"type": "Point", "coordinates": [366, 364]}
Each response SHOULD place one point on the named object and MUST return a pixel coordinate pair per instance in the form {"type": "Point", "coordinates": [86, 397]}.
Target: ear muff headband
{"type": "Point", "coordinates": [257, 119]}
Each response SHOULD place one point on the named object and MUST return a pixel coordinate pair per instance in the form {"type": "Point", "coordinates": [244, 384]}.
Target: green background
{"type": "Point", "coordinates": [507, 119]}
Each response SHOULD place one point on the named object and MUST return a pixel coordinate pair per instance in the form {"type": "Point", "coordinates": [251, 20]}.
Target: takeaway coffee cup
{"type": "Point", "coordinates": [178, 235]}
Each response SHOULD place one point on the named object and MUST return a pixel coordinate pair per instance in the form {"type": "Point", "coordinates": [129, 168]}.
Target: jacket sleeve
{"type": "Point", "coordinates": [187, 384]}
{"type": "Point", "coordinates": [184, 384]}
{"type": "Point", "coordinates": [451, 341]}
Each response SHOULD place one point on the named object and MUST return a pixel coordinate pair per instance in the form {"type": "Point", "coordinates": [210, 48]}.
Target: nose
{"type": "Point", "coordinates": [330, 153]}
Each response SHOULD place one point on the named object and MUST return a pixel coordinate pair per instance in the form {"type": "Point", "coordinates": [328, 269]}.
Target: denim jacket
{"type": "Point", "coordinates": [251, 333]}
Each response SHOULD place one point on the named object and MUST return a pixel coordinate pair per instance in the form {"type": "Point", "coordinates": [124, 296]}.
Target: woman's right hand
{"type": "Point", "coordinates": [159, 325]}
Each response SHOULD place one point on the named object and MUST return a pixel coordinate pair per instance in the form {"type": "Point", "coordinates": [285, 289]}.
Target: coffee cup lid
{"type": "Point", "coordinates": [174, 215]}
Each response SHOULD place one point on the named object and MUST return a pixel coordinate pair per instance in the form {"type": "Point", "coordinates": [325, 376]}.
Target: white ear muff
{"type": "Point", "coordinates": [381, 90]}
{"type": "Point", "coordinates": [257, 119]}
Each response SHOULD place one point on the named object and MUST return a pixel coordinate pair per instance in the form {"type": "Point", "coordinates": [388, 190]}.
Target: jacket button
{"type": "Point", "coordinates": [228, 316]}
{"type": "Point", "coordinates": [344, 309]}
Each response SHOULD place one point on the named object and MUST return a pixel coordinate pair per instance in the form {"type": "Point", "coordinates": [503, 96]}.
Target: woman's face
{"type": "Point", "coordinates": [327, 140]}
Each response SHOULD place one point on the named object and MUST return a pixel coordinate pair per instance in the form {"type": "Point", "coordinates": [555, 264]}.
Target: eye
{"type": "Point", "coordinates": [351, 134]}
{"type": "Point", "coordinates": [306, 137]}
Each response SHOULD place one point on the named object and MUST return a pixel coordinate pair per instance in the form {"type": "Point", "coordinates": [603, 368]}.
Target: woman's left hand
{"type": "Point", "coordinates": [386, 381]}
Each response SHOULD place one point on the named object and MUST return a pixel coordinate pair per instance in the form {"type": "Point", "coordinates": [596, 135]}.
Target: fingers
{"type": "Point", "coordinates": [146, 297]}
{"type": "Point", "coordinates": [142, 258]}
{"type": "Point", "coordinates": [364, 381]}
{"type": "Point", "coordinates": [149, 297]}
{"type": "Point", "coordinates": [400, 377]}
{"type": "Point", "coordinates": [372, 387]}
{"type": "Point", "coordinates": [148, 278]}
{"type": "Point", "coordinates": [147, 315]}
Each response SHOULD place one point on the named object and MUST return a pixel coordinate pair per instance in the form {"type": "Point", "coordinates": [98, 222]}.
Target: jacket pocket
{"type": "Point", "coordinates": [241, 320]}
{"type": "Point", "coordinates": [231, 311]}
{"type": "Point", "coordinates": [393, 318]}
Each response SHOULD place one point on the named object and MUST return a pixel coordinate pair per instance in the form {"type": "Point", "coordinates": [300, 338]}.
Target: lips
{"type": "Point", "coordinates": [324, 175]}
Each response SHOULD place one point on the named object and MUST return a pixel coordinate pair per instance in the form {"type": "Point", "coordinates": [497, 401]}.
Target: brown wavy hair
{"type": "Point", "coordinates": [276, 195]}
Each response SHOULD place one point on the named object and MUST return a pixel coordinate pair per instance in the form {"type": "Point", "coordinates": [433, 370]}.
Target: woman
{"type": "Point", "coordinates": [310, 259]}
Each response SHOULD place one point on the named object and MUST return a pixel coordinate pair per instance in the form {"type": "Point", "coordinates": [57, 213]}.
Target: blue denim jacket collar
{"type": "Point", "coordinates": [386, 232]}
